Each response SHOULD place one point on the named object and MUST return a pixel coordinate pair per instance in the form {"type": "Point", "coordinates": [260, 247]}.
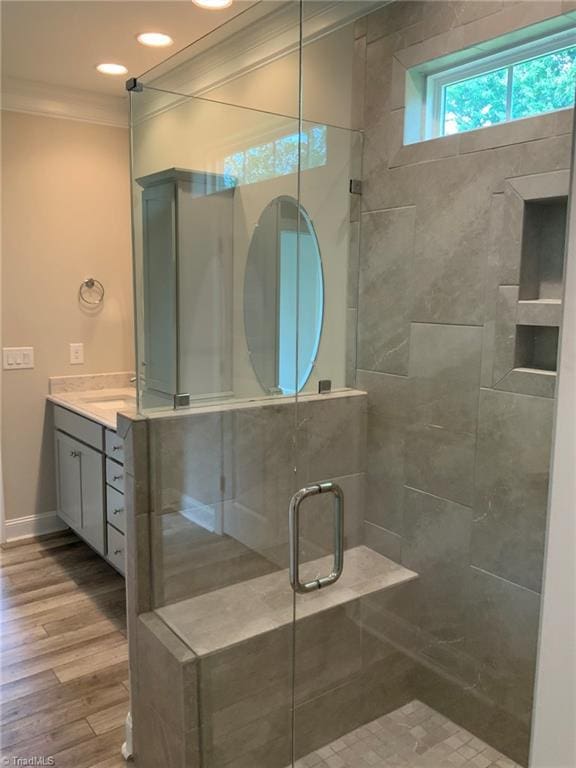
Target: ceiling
{"type": "Point", "coordinates": [59, 42]}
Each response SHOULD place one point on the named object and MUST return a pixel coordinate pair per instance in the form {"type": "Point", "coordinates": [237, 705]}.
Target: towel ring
{"type": "Point", "coordinates": [89, 285]}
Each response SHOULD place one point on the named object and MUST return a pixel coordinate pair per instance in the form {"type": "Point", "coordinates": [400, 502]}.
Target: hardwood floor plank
{"type": "Point", "coordinates": [59, 642]}
{"type": "Point", "coordinates": [67, 556]}
{"type": "Point", "coordinates": [29, 554]}
{"type": "Point", "coordinates": [92, 663]}
{"type": "Point", "coordinates": [115, 612]}
{"type": "Point", "coordinates": [49, 744]}
{"type": "Point", "coordinates": [60, 693]}
{"type": "Point", "coordinates": [54, 582]}
{"type": "Point", "coordinates": [15, 639]}
{"type": "Point", "coordinates": [102, 705]}
{"type": "Point", "coordinates": [111, 762]}
{"type": "Point", "coordinates": [29, 686]}
{"type": "Point", "coordinates": [60, 659]}
{"type": "Point", "coordinates": [39, 544]}
{"type": "Point", "coordinates": [101, 602]}
{"type": "Point", "coordinates": [92, 751]}
{"type": "Point", "coordinates": [64, 691]}
{"type": "Point", "coordinates": [108, 719]}
{"type": "Point", "coordinates": [30, 609]}
{"type": "Point", "coordinates": [44, 541]}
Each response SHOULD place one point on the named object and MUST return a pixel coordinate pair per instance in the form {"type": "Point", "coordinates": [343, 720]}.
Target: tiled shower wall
{"type": "Point", "coordinates": [458, 452]}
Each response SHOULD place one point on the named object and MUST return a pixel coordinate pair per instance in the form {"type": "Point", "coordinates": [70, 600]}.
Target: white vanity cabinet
{"type": "Point", "coordinates": [94, 510]}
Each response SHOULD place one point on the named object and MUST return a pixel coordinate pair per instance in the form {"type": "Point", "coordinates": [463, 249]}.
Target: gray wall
{"type": "Point", "coordinates": [458, 439]}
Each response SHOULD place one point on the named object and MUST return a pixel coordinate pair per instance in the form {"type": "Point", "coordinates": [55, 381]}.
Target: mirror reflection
{"type": "Point", "coordinates": [283, 297]}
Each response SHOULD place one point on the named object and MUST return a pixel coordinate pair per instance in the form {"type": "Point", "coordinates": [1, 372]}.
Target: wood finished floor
{"type": "Point", "coordinates": [63, 655]}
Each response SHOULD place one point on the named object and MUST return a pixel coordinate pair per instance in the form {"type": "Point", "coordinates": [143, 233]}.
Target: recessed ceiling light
{"type": "Point", "coordinates": [213, 5]}
{"type": "Point", "coordinates": [112, 69]}
{"type": "Point", "coordinates": [155, 39]}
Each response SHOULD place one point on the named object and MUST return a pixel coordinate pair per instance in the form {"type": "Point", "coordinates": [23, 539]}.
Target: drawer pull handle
{"type": "Point", "coordinates": [75, 454]}
{"type": "Point", "coordinates": [118, 551]}
{"type": "Point", "coordinates": [117, 477]}
{"type": "Point", "coordinates": [118, 511]}
{"type": "Point", "coordinates": [117, 447]}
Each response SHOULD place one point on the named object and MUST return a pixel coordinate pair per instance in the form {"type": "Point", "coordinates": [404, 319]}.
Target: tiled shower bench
{"type": "Point", "coordinates": [216, 670]}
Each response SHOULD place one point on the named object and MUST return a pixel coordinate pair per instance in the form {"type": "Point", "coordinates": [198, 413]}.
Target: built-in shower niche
{"type": "Point", "coordinates": [543, 241]}
{"type": "Point", "coordinates": [536, 348]}
{"type": "Point", "coordinates": [539, 307]}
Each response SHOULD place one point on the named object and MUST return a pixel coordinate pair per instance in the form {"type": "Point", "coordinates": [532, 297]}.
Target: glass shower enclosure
{"type": "Point", "coordinates": [246, 238]}
{"type": "Point", "coordinates": [307, 588]}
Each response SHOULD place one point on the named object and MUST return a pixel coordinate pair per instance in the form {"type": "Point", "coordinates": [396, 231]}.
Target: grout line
{"type": "Point", "coordinates": [386, 210]}
{"type": "Point", "coordinates": [440, 498]}
{"type": "Point", "coordinates": [505, 581]}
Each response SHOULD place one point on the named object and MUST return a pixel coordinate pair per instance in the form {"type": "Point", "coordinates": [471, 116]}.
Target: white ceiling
{"type": "Point", "coordinates": [59, 42]}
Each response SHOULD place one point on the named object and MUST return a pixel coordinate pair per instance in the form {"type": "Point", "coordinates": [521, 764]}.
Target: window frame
{"type": "Point", "coordinates": [437, 82]}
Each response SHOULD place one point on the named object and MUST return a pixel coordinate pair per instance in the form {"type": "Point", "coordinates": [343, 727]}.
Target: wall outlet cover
{"type": "Point", "coordinates": [76, 353]}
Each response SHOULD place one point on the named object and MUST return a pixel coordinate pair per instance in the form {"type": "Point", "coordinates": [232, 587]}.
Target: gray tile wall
{"type": "Point", "coordinates": [457, 466]}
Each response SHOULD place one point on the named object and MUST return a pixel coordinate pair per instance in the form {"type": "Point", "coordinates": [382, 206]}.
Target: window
{"type": "Point", "coordinates": [278, 157]}
{"type": "Point", "coordinates": [527, 80]}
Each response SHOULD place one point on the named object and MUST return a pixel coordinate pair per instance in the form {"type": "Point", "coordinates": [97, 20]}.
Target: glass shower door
{"type": "Point", "coordinates": [330, 568]}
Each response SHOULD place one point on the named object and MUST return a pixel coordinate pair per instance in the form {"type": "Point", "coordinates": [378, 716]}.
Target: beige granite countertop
{"type": "Point", "coordinates": [100, 405]}
{"type": "Point", "coordinates": [224, 617]}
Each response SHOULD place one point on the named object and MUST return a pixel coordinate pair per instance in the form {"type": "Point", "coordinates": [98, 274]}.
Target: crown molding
{"type": "Point", "coordinates": [49, 100]}
{"type": "Point", "coordinates": [202, 67]}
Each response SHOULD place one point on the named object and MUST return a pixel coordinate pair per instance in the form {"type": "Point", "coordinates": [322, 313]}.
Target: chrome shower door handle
{"type": "Point", "coordinates": [294, 527]}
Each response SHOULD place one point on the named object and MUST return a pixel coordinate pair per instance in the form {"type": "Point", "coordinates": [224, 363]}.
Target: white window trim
{"type": "Point", "coordinates": [436, 82]}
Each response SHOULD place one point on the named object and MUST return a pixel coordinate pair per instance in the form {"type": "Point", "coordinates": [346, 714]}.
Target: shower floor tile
{"type": "Point", "coordinates": [414, 736]}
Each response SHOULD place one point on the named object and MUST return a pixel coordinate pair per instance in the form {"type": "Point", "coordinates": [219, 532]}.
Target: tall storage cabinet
{"type": "Point", "coordinates": [187, 278]}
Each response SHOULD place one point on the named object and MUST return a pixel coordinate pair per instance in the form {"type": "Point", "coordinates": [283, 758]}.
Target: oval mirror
{"type": "Point", "coordinates": [283, 297]}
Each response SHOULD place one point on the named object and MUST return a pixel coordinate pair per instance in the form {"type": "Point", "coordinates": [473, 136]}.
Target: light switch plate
{"type": "Point", "coordinates": [17, 358]}
{"type": "Point", "coordinates": [76, 354]}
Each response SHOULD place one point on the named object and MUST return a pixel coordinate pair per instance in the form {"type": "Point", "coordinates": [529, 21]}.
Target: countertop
{"type": "Point", "coordinates": [99, 405]}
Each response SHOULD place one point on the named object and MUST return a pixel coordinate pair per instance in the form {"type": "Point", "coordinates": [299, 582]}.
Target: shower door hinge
{"type": "Point", "coordinates": [181, 401]}
{"type": "Point", "coordinates": [132, 84]}
{"type": "Point", "coordinates": [355, 187]}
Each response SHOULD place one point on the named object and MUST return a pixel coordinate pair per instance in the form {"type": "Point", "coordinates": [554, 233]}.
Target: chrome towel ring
{"type": "Point", "coordinates": [91, 291]}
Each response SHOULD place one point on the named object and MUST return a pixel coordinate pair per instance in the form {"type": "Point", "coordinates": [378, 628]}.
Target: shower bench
{"type": "Point", "coordinates": [219, 668]}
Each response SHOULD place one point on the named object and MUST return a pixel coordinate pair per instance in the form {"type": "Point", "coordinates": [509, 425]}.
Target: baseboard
{"type": "Point", "coordinates": [33, 525]}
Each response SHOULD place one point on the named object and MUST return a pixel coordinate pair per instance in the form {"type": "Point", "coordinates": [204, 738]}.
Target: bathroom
{"type": "Point", "coordinates": [290, 412]}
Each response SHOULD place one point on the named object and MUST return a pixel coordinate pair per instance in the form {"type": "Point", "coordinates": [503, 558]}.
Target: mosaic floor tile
{"type": "Point", "coordinates": [414, 736]}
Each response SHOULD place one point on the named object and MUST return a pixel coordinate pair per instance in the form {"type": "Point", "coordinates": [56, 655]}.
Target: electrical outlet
{"type": "Point", "coordinates": [14, 358]}
{"type": "Point", "coordinates": [76, 354]}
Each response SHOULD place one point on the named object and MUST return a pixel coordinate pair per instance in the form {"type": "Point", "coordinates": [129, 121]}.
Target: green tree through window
{"type": "Point", "coordinates": [523, 89]}
{"type": "Point", "coordinates": [476, 103]}
{"type": "Point", "coordinates": [544, 84]}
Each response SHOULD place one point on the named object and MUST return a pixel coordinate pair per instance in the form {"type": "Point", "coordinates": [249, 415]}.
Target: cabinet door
{"type": "Point", "coordinates": [68, 481]}
{"type": "Point", "coordinates": [93, 517]}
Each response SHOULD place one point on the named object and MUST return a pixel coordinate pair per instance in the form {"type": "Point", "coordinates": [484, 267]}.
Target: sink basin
{"type": "Point", "coordinates": [113, 405]}
{"type": "Point", "coordinates": [111, 402]}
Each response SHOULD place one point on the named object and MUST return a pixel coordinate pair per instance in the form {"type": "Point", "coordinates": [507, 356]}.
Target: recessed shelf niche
{"type": "Point", "coordinates": [536, 347]}
{"type": "Point", "coordinates": [543, 243]}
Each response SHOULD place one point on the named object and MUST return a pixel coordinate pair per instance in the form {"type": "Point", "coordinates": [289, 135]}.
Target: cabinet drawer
{"type": "Point", "coordinates": [116, 549]}
{"type": "Point", "coordinates": [82, 429]}
{"type": "Point", "coordinates": [115, 475]}
{"type": "Point", "coordinates": [114, 446]}
{"type": "Point", "coordinates": [115, 511]}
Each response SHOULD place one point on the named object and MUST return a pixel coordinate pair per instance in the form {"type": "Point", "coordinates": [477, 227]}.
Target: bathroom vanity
{"type": "Point", "coordinates": [89, 465]}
